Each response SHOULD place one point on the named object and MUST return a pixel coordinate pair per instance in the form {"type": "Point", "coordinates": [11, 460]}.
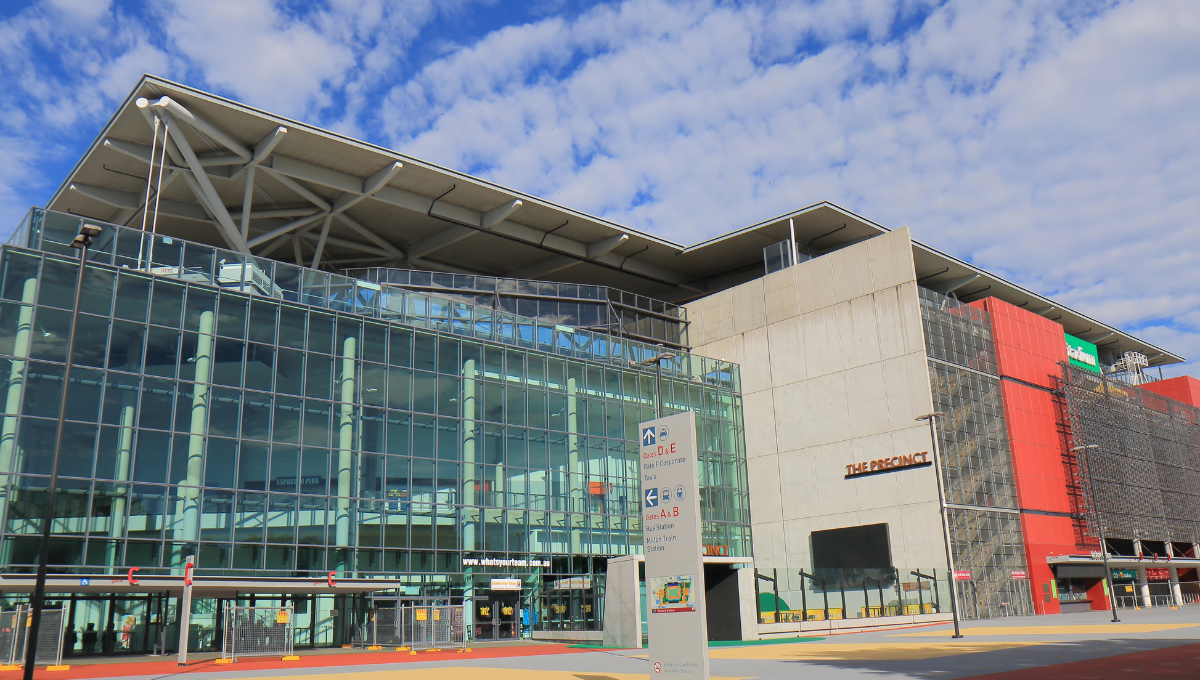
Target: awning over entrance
{"type": "Point", "coordinates": [202, 586]}
{"type": "Point", "coordinates": [1122, 562]}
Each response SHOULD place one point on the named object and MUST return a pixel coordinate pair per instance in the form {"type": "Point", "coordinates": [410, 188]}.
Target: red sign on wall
{"type": "Point", "coordinates": [1153, 574]}
{"type": "Point", "coordinates": [962, 575]}
{"type": "Point", "coordinates": [1018, 573]}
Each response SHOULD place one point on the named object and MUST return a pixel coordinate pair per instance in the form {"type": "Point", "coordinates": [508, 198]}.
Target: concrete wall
{"type": "Point", "coordinates": [834, 372]}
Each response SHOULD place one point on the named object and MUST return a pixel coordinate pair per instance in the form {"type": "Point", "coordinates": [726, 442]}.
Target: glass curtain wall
{"type": "Point", "coordinates": [285, 439]}
{"type": "Point", "coordinates": [984, 518]}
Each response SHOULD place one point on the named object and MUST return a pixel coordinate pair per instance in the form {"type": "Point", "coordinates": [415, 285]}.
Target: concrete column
{"type": "Point", "coordinates": [345, 448]}
{"type": "Point", "coordinates": [1143, 586]}
{"type": "Point", "coordinates": [189, 491]}
{"type": "Point", "coordinates": [622, 604]}
{"type": "Point", "coordinates": [747, 603]}
{"type": "Point", "coordinates": [1176, 593]}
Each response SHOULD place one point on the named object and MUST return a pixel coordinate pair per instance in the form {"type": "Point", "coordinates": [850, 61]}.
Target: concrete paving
{"type": "Point", "coordinates": [1146, 644]}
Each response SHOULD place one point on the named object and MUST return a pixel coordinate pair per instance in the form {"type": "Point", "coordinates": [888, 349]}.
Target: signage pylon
{"type": "Point", "coordinates": [672, 545]}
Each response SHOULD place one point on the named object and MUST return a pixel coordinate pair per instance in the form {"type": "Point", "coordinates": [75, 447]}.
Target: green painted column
{"type": "Point", "coordinates": [345, 447]}
{"type": "Point", "coordinates": [189, 490]}
{"type": "Point", "coordinates": [12, 402]}
{"type": "Point", "coordinates": [16, 377]}
{"type": "Point", "coordinates": [472, 431]}
{"type": "Point", "coordinates": [116, 518]}
{"type": "Point", "coordinates": [574, 470]}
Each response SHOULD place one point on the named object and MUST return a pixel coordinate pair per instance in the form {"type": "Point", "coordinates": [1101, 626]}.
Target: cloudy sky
{"type": "Point", "coordinates": [1055, 142]}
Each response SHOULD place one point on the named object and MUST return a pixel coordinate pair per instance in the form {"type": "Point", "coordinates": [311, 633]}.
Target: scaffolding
{"type": "Point", "coordinates": [1142, 482]}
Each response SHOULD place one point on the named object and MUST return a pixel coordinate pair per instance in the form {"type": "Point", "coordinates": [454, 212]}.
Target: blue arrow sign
{"type": "Point", "coordinates": [651, 498]}
{"type": "Point", "coordinates": [648, 436]}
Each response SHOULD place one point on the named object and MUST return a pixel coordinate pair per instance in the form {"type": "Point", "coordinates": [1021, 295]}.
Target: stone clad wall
{"type": "Point", "coordinates": [834, 371]}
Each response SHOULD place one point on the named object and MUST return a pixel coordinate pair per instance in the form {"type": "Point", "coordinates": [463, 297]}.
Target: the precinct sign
{"type": "Point", "coordinates": [893, 464]}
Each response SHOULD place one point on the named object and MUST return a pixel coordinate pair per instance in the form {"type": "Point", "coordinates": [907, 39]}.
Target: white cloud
{"type": "Point", "coordinates": [1044, 141]}
{"type": "Point", "coordinates": [1052, 142]}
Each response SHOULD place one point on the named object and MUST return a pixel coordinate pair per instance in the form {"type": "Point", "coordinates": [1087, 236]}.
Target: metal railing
{"type": "Point", "coordinates": [13, 627]}
{"type": "Point", "coordinates": [257, 631]}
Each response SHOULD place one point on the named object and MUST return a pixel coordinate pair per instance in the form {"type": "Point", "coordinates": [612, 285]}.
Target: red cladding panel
{"type": "Point", "coordinates": [1185, 388]}
{"type": "Point", "coordinates": [1029, 348]}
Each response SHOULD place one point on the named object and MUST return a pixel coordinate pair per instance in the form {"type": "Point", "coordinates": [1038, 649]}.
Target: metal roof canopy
{"type": "Point", "coordinates": [323, 199]}
{"type": "Point", "coordinates": [202, 586]}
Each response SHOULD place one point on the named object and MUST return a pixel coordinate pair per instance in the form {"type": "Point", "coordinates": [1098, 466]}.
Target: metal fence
{"type": "Point", "coordinates": [257, 631]}
{"type": "Point", "coordinates": [14, 625]}
{"type": "Point", "coordinates": [417, 627]}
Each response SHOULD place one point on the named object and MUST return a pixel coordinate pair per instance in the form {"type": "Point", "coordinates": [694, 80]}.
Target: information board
{"type": "Point", "coordinates": [672, 545]}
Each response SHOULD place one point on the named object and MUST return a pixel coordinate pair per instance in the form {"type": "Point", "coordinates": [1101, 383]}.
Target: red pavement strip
{"type": "Point", "coordinates": [1180, 661]}
{"type": "Point", "coordinates": [163, 668]}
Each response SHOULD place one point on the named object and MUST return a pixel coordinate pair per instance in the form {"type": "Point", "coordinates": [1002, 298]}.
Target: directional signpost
{"type": "Point", "coordinates": [672, 545]}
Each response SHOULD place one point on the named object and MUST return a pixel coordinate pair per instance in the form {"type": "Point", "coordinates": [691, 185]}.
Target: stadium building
{"type": "Point", "coordinates": [340, 377]}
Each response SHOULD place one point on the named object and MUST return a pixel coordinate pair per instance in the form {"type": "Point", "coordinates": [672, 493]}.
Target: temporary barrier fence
{"type": "Point", "coordinates": [417, 627]}
{"type": "Point", "coordinates": [257, 631]}
{"type": "Point", "coordinates": [15, 624]}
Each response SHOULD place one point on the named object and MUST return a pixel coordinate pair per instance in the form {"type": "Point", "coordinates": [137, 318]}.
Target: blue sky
{"type": "Point", "coordinates": [1053, 142]}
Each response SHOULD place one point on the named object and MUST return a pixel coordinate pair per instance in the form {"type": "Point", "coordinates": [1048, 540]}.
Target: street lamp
{"type": "Point", "coordinates": [656, 360]}
{"type": "Point", "coordinates": [1112, 593]}
{"type": "Point", "coordinates": [937, 469]}
{"type": "Point", "coordinates": [81, 242]}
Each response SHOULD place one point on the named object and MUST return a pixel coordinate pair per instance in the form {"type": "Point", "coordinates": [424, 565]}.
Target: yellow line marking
{"type": "Point", "coordinates": [891, 651]}
{"type": "Point", "coordinates": [1057, 630]}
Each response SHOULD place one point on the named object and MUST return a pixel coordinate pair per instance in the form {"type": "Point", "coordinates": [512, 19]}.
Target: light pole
{"type": "Point", "coordinates": [81, 243]}
{"type": "Point", "coordinates": [1112, 593]}
{"type": "Point", "coordinates": [937, 469]}
{"type": "Point", "coordinates": [657, 360]}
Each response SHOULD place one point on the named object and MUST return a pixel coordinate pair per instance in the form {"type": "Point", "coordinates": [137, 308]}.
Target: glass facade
{"type": "Point", "coordinates": [598, 308]}
{"type": "Point", "coordinates": [286, 422]}
{"type": "Point", "coordinates": [985, 520]}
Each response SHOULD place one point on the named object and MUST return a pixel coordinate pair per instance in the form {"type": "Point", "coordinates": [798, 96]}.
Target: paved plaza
{"type": "Point", "coordinates": [1146, 644]}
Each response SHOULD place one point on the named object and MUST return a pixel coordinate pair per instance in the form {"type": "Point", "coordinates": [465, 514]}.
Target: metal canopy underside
{"type": "Point", "coordinates": [202, 586]}
{"type": "Point", "coordinates": [336, 203]}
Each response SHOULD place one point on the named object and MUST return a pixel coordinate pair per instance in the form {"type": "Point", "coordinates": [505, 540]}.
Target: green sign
{"type": "Point", "coordinates": [1124, 575]}
{"type": "Point", "coordinates": [1082, 353]}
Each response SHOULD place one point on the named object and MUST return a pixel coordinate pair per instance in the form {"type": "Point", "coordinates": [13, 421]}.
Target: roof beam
{"type": "Point", "coordinates": [440, 240]}
{"type": "Point", "coordinates": [950, 285]}
{"type": "Point", "coordinates": [288, 170]}
{"type": "Point", "coordinates": [209, 192]}
{"type": "Point", "coordinates": [606, 246]}
{"type": "Point", "coordinates": [316, 261]}
{"type": "Point", "coordinates": [498, 214]}
{"type": "Point", "coordinates": [371, 236]}
{"type": "Point", "coordinates": [544, 268]}
{"type": "Point", "coordinates": [300, 189]}
{"type": "Point", "coordinates": [199, 125]}
{"type": "Point", "coordinates": [370, 185]}
{"type": "Point", "coordinates": [1097, 336]}
{"type": "Point", "coordinates": [279, 231]}
{"type": "Point", "coordinates": [352, 245]}
{"type": "Point", "coordinates": [1042, 311]}
{"type": "Point", "coordinates": [131, 201]}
